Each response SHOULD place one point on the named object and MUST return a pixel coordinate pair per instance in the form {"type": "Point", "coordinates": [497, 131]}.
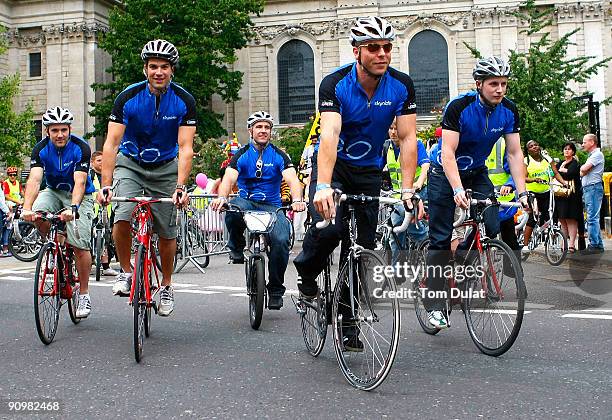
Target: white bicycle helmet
{"type": "Point", "coordinates": [57, 115]}
{"type": "Point", "coordinates": [491, 67]}
{"type": "Point", "coordinates": [371, 28]}
{"type": "Point", "coordinates": [259, 116]}
{"type": "Point", "coordinates": [160, 48]}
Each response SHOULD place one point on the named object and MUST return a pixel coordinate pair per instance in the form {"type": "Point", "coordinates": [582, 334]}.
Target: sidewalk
{"type": "Point", "coordinates": [603, 260]}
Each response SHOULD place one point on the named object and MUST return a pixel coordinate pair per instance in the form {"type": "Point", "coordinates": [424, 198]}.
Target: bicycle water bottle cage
{"type": "Point", "coordinates": [259, 221]}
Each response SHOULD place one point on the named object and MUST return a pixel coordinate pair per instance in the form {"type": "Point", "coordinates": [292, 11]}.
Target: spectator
{"type": "Point", "coordinates": [4, 215]}
{"type": "Point", "coordinates": [569, 209]}
{"type": "Point", "coordinates": [592, 191]}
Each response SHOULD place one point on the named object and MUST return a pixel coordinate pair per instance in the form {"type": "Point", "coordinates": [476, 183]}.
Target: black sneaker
{"type": "Point", "coordinates": [236, 257]}
{"type": "Point", "coordinates": [275, 302]}
{"type": "Point", "coordinates": [352, 343]}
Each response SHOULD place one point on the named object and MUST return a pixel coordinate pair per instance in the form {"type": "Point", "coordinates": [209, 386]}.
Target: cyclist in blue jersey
{"type": "Point", "coordinates": [358, 103]}
{"type": "Point", "coordinates": [471, 125]}
{"type": "Point", "coordinates": [63, 159]}
{"type": "Point", "coordinates": [152, 122]}
{"type": "Point", "coordinates": [258, 168]}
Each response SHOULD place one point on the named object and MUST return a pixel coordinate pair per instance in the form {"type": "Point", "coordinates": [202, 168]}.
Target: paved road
{"type": "Point", "coordinates": [206, 362]}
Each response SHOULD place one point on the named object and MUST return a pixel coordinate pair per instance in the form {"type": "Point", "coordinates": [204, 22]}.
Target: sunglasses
{"type": "Point", "coordinates": [259, 166]}
{"type": "Point", "coordinates": [374, 48]}
{"type": "Point", "coordinates": [12, 174]}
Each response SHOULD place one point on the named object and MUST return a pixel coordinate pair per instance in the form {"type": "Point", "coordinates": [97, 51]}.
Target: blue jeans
{"type": "Point", "coordinates": [4, 231]}
{"type": "Point", "coordinates": [592, 196]}
{"type": "Point", "coordinates": [416, 231]}
{"type": "Point", "coordinates": [279, 241]}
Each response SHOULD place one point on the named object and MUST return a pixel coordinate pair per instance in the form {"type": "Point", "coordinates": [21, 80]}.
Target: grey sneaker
{"type": "Point", "coordinates": [166, 301]}
{"type": "Point", "coordinates": [110, 272]}
{"type": "Point", "coordinates": [123, 284]}
{"type": "Point", "coordinates": [84, 308]}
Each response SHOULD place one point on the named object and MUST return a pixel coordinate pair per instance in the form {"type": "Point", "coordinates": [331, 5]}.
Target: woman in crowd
{"type": "Point", "coordinates": [569, 209]}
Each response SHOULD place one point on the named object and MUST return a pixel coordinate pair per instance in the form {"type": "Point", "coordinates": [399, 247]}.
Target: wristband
{"type": "Point", "coordinates": [321, 187]}
{"type": "Point", "coordinates": [457, 190]}
{"type": "Point", "coordinates": [408, 190]}
{"type": "Point", "coordinates": [181, 187]}
{"type": "Point", "coordinates": [297, 200]}
{"type": "Point", "coordinates": [523, 194]}
{"type": "Point", "coordinates": [75, 206]}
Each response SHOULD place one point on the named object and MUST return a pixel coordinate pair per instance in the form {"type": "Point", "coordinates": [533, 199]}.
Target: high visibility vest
{"type": "Point", "coordinates": [93, 195]}
{"type": "Point", "coordinates": [537, 169]}
{"type": "Point", "coordinates": [14, 190]}
{"type": "Point", "coordinates": [395, 171]}
{"type": "Point", "coordinates": [495, 165]}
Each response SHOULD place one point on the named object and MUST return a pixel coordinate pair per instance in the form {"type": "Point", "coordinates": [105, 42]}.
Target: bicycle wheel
{"type": "Point", "coordinates": [139, 303]}
{"type": "Point", "coordinates": [365, 340]}
{"type": "Point", "coordinates": [495, 303]}
{"type": "Point", "coordinates": [73, 302]}
{"type": "Point", "coordinates": [46, 299]}
{"type": "Point", "coordinates": [26, 249]}
{"type": "Point", "coordinates": [98, 251]}
{"type": "Point", "coordinates": [257, 288]}
{"type": "Point", "coordinates": [419, 284]}
{"type": "Point", "coordinates": [314, 316]}
{"type": "Point", "coordinates": [555, 246]}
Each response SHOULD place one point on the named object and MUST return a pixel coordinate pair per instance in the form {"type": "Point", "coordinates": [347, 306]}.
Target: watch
{"type": "Point", "coordinates": [523, 194]}
{"type": "Point", "coordinates": [182, 187]}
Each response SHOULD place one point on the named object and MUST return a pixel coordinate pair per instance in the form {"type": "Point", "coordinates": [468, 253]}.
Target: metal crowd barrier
{"type": "Point", "coordinates": [202, 233]}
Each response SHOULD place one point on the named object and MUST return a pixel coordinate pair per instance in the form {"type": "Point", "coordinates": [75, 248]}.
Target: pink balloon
{"type": "Point", "coordinates": [201, 180]}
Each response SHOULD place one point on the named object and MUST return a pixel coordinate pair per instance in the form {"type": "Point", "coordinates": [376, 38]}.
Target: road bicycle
{"type": "Point", "coordinates": [486, 283]}
{"type": "Point", "coordinates": [259, 224]}
{"type": "Point", "coordinates": [363, 308]}
{"type": "Point", "coordinates": [102, 241]}
{"type": "Point", "coordinates": [550, 234]}
{"type": "Point", "coordinates": [146, 282]}
{"type": "Point", "coordinates": [55, 279]}
{"type": "Point", "coordinates": [24, 240]}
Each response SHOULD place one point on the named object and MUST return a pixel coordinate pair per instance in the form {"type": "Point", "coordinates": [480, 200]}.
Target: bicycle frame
{"type": "Point", "coordinates": [144, 217]}
{"type": "Point", "coordinates": [62, 277]}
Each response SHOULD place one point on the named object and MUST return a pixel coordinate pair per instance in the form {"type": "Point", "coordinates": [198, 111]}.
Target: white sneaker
{"type": "Point", "coordinates": [166, 301]}
{"type": "Point", "coordinates": [110, 272]}
{"type": "Point", "coordinates": [123, 284]}
{"type": "Point", "coordinates": [525, 251]}
{"type": "Point", "coordinates": [437, 319]}
{"type": "Point", "coordinates": [84, 308]}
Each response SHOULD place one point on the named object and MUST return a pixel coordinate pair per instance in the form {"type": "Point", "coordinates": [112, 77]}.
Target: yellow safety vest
{"type": "Point", "coordinates": [495, 165]}
{"type": "Point", "coordinates": [537, 169]}
{"type": "Point", "coordinates": [14, 190]}
{"type": "Point", "coordinates": [93, 195]}
{"type": "Point", "coordinates": [395, 171]}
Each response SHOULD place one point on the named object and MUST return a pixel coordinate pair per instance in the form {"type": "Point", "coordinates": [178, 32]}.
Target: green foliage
{"type": "Point", "coordinates": [542, 82]}
{"type": "Point", "coordinates": [207, 35]}
{"type": "Point", "coordinates": [293, 140]}
{"type": "Point", "coordinates": [208, 159]}
{"type": "Point", "coordinates": [428, 134]}
{"type": "Point", "coordinates": [16, 129]}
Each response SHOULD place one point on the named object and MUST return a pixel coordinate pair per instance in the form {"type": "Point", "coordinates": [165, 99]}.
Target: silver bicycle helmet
{"type": "Point", "coordinates": [371, 28]}
{"type": "Point", "coordinates": [259, 116]}
{"type": "Point", "coordinates": [160, 48]}
{"type": "Point", "coordinates": [491, 67]}
{"type": "Point", "coordinates": [57, 115]}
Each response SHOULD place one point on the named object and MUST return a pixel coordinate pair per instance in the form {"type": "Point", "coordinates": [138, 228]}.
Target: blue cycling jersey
{"type": "Point", "coordinates": [365, 121]}
{"type": "Point", "coordinates": [152, 122]}
{"type": "Point", "coordinates": [260, 185]}
{"type": "Point", "coordinates": [479, 127]}
{"type": "Point", "coordinates": [60, 164]}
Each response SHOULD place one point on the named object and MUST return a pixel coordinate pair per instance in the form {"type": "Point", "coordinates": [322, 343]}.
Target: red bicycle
{"type": "Point", "coordinates": [144, 290]}
{"type": "Point", "coordinates": [56, 281]}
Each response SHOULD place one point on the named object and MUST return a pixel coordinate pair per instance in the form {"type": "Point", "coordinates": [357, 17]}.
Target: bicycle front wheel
{"type": "Point", "coordinates": [494, 299]}
{"type": "Point", "coordinates": [26, 249]}
{"type": "Point", "coordinates": [366, 322]}
{"type": "Point", "coordinates": [139, 302]}
{"type": "Point", "coordinates": [257, 289]}
{"type": "Point", "coordinates": [98, 251]}
{"type": "Point", "coordinates": [314, 317]}
{"type": "Point", "coordinates": [46, 295]}
{"type": "Point", "coordinates": [73, 302]}
{"type": "Point", "coordinates": [555, 246]}
{"type": "Point", "coordinates": [419, 284]}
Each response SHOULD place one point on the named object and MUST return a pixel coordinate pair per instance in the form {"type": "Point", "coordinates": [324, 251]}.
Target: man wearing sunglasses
{"type": "Point", "coordinates": [358, 103]}
{"type": "Point", "coordinates": [258, 168]}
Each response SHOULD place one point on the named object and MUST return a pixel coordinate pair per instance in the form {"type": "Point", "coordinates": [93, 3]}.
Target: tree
{"type": "Point", "coordinates": [209, 159]}
{"type": "Point", "coordinates": [542, 80]}
{"type": "Point", "coordinates": [17, 129]}
{"type": "Point", "coordinates": [206, 34]}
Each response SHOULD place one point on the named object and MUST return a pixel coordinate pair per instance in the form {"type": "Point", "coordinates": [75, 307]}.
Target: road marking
{"type": "Point", "coordinates": [15, 278]}
{"type": "Point", "coordinates": [239, 294]}
{"type": "Point", "coordinates": [587, 316]}
{"type": "Point", "coordinates": [197, 292]}
{"type": "Point", "coordinates": [226, 288]}
{"type": "Point", "coordinates": [498, 311]}
{"type": "Point", "coordinates": [597, 310]}
{"type": "Point", "coordinates": [97, 283]}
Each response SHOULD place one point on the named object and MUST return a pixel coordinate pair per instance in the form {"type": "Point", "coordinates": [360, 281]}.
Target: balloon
{"type": "Point", "coordinates": [201, 180]}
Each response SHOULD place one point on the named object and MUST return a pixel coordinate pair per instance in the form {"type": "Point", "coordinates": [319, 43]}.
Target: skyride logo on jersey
{"type": "Point", "coordinates": [415, 272]}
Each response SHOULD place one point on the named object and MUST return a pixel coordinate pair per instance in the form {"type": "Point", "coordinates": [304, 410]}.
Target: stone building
{"type": "Point", "coordinates": [53, 45]}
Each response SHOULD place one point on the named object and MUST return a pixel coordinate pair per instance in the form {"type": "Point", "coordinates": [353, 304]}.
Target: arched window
{"type": "Point", "coordinates": [428, 62]}
{"type": "Point", "coordinates": [296, 82]}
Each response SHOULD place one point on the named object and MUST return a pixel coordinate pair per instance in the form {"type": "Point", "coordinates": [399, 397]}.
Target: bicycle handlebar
{"type": "Point", "coordinates": [141, 199]}
{"type": "Point", "coordinates": [485, 203]}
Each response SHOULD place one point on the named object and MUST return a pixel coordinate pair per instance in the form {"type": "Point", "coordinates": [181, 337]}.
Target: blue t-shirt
{"type": "Point", "coordinates": [151, 129]}
{"type": "Point", "coordinates": [265, 189]}
{"type": "Point", "coordinates": [60, 164]}
{"type": "Point", "coordinates": [365, 121]}
{"type": "Point", "coordinates": [479, 127]}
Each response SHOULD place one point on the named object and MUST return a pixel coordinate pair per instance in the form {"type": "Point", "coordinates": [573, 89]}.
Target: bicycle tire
{"type": "Point", "coordinates": [137, 303]}
{"type": "Point", "coordinates": [510, 306]}
{"type": "Point", "coordinates": [387, 313]}
{"type": "Point", "coordinates": [46, 308]}
{"type": "Point", "coordinates": [73, 302]}
{"type": "Point", "coordinates": [417, 286]}
{"type": "Point", "coordinates": [558, 238]}
{"type": "Point", "coordinates": [34, 246]}
{"type": "Point", "coordinates": [315, 315]}
{"type": "Point", "coordinates": [98, 251]}
{"type": "Point", "coordinates": [257, 289]}
{"type": "Point", "coordinates": [291, 234]}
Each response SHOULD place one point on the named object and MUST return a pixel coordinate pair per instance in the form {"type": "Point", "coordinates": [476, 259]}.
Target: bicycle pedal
{"type": "Point", "coordinates": [300, 308]}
